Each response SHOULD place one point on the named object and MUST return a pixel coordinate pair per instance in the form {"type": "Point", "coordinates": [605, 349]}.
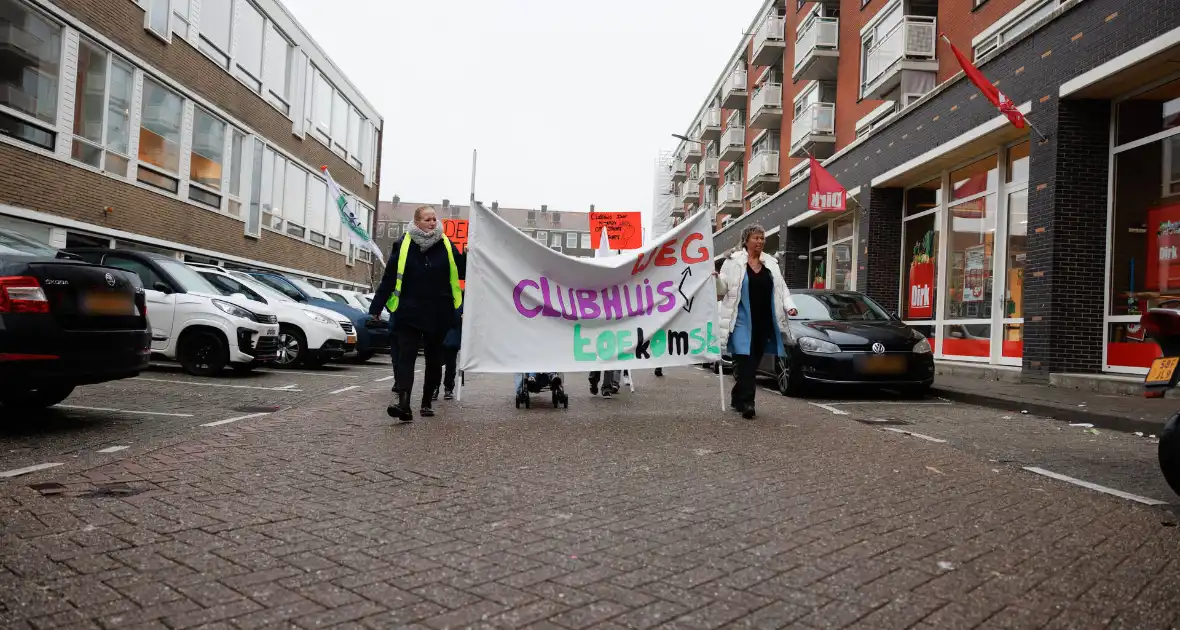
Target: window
{"type": "Point", "coordinates": [339, 119]}
{"type": "Point", "coordinates": [208, 154]}
{"type": "Point", "coordinates": [322, 114]}
{"type": "Point", "coordinates": [295, 200]}
{"type": "Point", "coordinates": [273, 169]}
{"type": "Point", "coordinates": [159, 18]}
{"type": "Point", "coordinates": [571, 240]}
{"type": "Point", "coordinates": [276, 74]}
{"type": "Point", "coordinates": [254, 220]}
{"type": "Point", "coordinates": [101, 109]}
{"type": "Point", "coordinates": [237, 166]}
{"type": "Point", "coordinates": [317, 195]}
{"type": "Point", "coordinates": [249, 31]}
{"type": "Point", "coordinates": [159, 136]}
{"type": "Point", "coordinates": [542, 236]}
{"type": "Point", "coordinates": [1019, 24]}
{"type": "Point", "coordinates": [585, 241]}
{"type": "Point", "coordinates": [180, 17]}
{"type": "Point", "coordinates": [32, 67]}
{"type": "Point", "coordinates": [881, 45]}
{"type": "Point", "coordinates": [354, 137]}
{"type": "Point", "coordinates": [555, 240]}
{"type": "Point", "coordinates": [216, 23]}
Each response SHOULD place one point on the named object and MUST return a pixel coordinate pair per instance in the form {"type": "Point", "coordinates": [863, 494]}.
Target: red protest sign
{"type": "Point", "coordinates": [456, 231]}
{"type": "Point", "coordinates": [624, 230]}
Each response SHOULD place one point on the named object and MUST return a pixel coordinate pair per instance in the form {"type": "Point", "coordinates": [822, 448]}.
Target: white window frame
{"type": "Point", "coordinates": [149, 7]}
{"type": "Point", "coordinates": [52, 128]}
{"type": "Point", "coordinates": [226, 157]}
{"type": "Point", "coordinates": [999, 33]}
{"type": "Point", "coordinates": [183, 142]}
{"type": "Point", "coordinates": [111, 58]}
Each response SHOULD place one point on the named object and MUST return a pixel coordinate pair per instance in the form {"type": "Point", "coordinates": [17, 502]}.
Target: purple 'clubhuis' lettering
{"type": "Point", "coordinates": [535, 298]}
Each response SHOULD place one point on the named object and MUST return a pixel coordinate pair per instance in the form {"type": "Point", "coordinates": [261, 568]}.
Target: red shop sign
{"type": "Point", "coordinates": [921, 286]}
{"type": "Point", "coordinates": [1163, 248]}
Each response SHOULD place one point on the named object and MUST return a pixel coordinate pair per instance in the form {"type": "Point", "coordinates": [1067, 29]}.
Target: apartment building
{"type": "Point", "coordinates": [562, 231]}
{"type": "Point", "coordinates": [1024, 257]}
{"type": "Point", "coordinates": [196, 128]}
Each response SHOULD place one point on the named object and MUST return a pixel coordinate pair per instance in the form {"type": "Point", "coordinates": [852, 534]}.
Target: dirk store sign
{"type": "Point", "coordinates": [1163, 248]}
{"type": "Point", "coordinates": [531, 309]}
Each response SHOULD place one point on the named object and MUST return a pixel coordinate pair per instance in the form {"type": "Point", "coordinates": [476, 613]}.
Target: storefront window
{"type": "Point", "coordinates": [919, 267]}
{"type": "Point", "coordinates": [831, 261]}
{"type": "Point", "coordinates": [842, 267]}
{"type": "Point", "coordinates": [1149, 113]}
{"type": "Point", "coordinates": [924, 198]}
{"type": "Point", "coordinates": [967, 340]}
{"type": "Point", "coordinates": [1016, 254]}
{"type": "Point", "coordinates": [819, 269]}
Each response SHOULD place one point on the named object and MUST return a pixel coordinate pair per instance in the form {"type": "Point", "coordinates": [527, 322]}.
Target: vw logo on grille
{"type": "Point", "coordinates": [110, 280]}
{"type": "Point", "coordinates": [878, 348]}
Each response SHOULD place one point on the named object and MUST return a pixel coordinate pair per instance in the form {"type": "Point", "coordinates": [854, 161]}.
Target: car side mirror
{"type": "Point", "coordinates": [162, 288]}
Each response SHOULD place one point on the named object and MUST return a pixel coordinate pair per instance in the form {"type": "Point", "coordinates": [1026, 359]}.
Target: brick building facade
{"type": "Point", "coordinates": [192, 127]}
{"type": "Point", "coordinates": [1008, 250]}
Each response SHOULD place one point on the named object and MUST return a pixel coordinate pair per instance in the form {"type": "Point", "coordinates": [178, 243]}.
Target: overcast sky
{"type": "Point", "coordinates": [568, 103]}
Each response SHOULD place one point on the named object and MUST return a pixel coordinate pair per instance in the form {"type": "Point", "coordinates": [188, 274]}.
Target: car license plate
{"type": "Point", "coordinates": [1162, 370]}
{"type": "Point", "coordinates": [271, 332]}
{"type": "Point", "coordinates": [883, 365]}
{"type": "Point", "coordinates": [107, 304]}
{"type": "Point", "coordinates": [351, 339]}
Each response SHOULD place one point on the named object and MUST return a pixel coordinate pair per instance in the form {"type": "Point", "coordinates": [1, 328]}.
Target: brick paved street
{"type": "Point", "coordinates": [651, 510]}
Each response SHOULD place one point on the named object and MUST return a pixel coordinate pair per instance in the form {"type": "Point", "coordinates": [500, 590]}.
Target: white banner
{"type": "Point", "coordinates": [531, 309]}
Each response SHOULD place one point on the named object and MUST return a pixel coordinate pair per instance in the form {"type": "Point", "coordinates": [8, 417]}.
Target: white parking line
{"type": "Point", "coordinates": [229, 420]}
{"type": "Point", "coordinates": [8, 474]}
{"type": "Point", "coordinates": [917, 435]}
{"type": "Point", "coordinates": [888, 402]}
{"type": "Point", "coordinates": [838, 412]}
{"type": "Point", "coordinates": [345, 389]}
{"type": "Point", "coordinates": [113, 449]}
{"type": "Point", "coordinates": [140, 413]}
{"type": "Point", "coordinates": [265, 389]}
{"type": "Point", "coordinates": [306, 373]}
{"type": "Point", "coordinates": [1094, 486]}
{"type": "Point", "coordinates": [383, 379]}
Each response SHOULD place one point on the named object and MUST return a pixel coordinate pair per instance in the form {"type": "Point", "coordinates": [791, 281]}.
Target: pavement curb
{"type": "Point", "coordinates": [1064, 414]}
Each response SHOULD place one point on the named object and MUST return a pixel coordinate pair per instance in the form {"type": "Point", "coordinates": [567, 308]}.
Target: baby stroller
{"type": "Point", "coordinates": [537, 382]}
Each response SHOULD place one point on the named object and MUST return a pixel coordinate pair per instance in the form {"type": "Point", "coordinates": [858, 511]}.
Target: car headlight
{"type": "Point", "coordinates": [235, 310]}
{"type": "Point", "coordinates": [811, 344]}
{"type": "Point", "coordinates": [923, 347]}
{"type": "Point", "coordinates": [319, 318]}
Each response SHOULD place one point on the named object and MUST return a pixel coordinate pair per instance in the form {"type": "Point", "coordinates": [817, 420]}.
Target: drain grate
{"type": "Point", "coordinates": [111, 490]}
{"type": "Point", "coordinates": [882, 421]}
{"type": "Point", "coordinates": [249, 409]}
{"type": "Point", "coordinates": [48, 489]}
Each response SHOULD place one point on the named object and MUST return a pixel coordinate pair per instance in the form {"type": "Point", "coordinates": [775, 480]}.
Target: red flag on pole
{"type": "Point", "coordinates": [824, 193]}
{"type": "Point", "coordinates": [990, 92]}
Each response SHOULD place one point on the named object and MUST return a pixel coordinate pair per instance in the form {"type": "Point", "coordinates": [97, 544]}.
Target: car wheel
{"type": "Point", "coordinates": [203, 354]}
{"type": "Point", "coordinates": [787, 378]}
{"type": "Point", "coordinates": [31, 399]}
{"type": "Point", "coordinates": [292, 348]}
{"type": "Point", "coordinates": [363, 357]}
{"type": "Point", "coordinates": [243, 368]}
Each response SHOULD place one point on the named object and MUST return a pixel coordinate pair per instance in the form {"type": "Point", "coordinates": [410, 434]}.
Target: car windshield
{"type": "Point", "coordinates": [837, 307]}
{"type": "Point", "coordinates": [229, 286]}
{"type": "Point", "coordinates": [337, 297]}
{"type": "Point", "coordinates": [262, 289]}
{"type": "Point", "coordinates": [13, 243]}
{"type": "Point", "coordinates": [309, 290]}
{"type": "Point", "coordinates": [189, 280]}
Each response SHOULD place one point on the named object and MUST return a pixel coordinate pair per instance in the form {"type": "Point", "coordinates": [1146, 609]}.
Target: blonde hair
{"type": "Point", "coordinates": [418, 212]}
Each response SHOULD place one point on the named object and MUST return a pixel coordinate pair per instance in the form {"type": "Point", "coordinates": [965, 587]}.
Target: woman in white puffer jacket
{"type": "Point", "coordinates": [753, 313]}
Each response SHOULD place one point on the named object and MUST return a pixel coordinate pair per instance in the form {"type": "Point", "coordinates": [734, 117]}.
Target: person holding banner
{"type": "Point", "coordinates": [752, 313]}
{"type": "Point", "coordinates": [421, 290]}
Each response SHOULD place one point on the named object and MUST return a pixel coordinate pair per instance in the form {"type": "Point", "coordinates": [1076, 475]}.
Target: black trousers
{"type": "Point", "coordinates": [744, 368]}
{"type": "Point", "coordinates": [408, 340]}
{"type": "Point", "coordinates": [451, 357]}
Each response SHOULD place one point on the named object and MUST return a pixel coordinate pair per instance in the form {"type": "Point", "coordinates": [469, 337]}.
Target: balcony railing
{"type": "Point", "coordinates": [914, 37]}
{"type": "Point", "coordinates": [733, 144]}
{"type": "Point", "coordinates": [711, 124]}
{"type": "Point", "coordinates": [711, 167]}
{"type": "Point", "coordinates": [763, 165]}
{"type": "Point", "coordinates": [817, 40]}
{"type": "Point", "coordinates": [769, 40]}
{"type": "Point", "coordinates": [730, 194]}
{"type": "Point", "coordinates": [736, 89]}
{"type": "Point", "coordinates": [691, 192]}
{"type": "Point", "coordinates": [769, 97]}
{"type": "Point", "coordinates": [692, 153]}
{"type": "Point", "coordinates": [817, 118]}
{"type": "Point", "coordinates": [679, 170]}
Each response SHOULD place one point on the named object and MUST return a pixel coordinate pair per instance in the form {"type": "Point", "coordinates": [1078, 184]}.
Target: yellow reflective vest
{"type": "Point", "coordinates": [456, 290]}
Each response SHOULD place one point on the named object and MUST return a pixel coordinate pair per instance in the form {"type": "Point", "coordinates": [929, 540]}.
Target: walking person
{"type": "Point", "coordinates": [752, 311]}
{"type": "Point", "coordinates": [421, 290]}
{"type": "Point", "coordinates": [607, 381]}
{"type": "Point", "coordinates": [451, 359]}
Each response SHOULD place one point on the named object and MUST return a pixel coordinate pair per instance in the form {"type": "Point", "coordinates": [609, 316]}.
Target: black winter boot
{"type": "Point", "coordinates": [427, 410]}
{"type": "Point", "coordinates": [401, 410]}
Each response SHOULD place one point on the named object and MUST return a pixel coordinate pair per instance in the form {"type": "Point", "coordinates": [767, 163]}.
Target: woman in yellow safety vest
{"type": "Point", "coordinates": [421, 289]}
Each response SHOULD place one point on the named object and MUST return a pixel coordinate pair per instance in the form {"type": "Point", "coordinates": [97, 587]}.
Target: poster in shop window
{"type": "Point", "coordinates": [920, 304]}
{"type": "Point", "coordinates": [974, 274]}
{"type": "Point", "coordinates": [1163, 249]}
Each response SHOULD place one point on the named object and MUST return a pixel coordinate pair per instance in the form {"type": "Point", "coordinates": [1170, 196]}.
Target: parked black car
{"type": "Point", "coordinates": [65, 323]}
{"type": "Point", "coordinates": [844, 338]}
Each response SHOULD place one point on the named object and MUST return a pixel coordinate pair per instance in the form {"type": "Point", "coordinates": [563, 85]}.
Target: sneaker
{"type": "Point", "coordinates": [426, 411]}
{"type": "Point", "coordinates": [449, 395]}
{"type": "Point", "coordinates": [434, 396]}
{"type": "Point", "coordinates": [606, 393]}
{"type": "Point", "coordinates": [626, 379]}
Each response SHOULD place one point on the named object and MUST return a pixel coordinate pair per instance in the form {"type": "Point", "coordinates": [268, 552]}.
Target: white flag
{"type": "Point", "coordinates": [357, 234]}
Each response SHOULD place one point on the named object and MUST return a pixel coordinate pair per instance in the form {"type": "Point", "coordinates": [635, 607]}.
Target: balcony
{"type": "Point", "coordinates": [763, 172]}
{"type": "Point", "coordinates": [729, 198]}
{"type": "Point", "coordinates": [770, 41]}
{"type": "Point", "coordinates": [691, 192]}
{"type": "Point", "coordinates": [711, 124]}
{"type": "Point", "coordinates": [814, 131]}
{"type": "Point", "coordinates": [711, 168]}
{"type": "Point", "coordinates": [679, 170]}
{"type": "Point", "coordinates": [733, 144]}
{"type": "Point", "coordinates": [910, 46]}
{"type": "Point", "coordinates": [692, 153]}
{"type": "Point", "coordinates": [816, 49]}
{"type": "Point", "coordinates": [766, 108]}
{"type": "Point", "coordinates": [736, 90]}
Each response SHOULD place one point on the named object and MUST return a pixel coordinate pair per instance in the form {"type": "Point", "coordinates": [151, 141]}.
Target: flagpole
{"type": "Point", "coordinates": [963, 63]}
{"type": "Point", "coordinates": [471, 209]}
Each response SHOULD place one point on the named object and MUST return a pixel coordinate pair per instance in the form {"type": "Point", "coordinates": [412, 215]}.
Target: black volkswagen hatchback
{"type": "Point", "coordinates": [845, 338]}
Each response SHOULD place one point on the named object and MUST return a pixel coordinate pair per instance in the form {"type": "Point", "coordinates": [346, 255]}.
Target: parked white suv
{"type": "Point", "coordinates": [309, 336]}
{"type": "Point", "coordinates": [354, 299]}
{"type": "Point", "coordinates": [191, 321]}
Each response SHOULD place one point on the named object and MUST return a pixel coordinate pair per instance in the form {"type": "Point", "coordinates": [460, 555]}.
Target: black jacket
{"type": "Point", "coordinates": [426, 301]}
